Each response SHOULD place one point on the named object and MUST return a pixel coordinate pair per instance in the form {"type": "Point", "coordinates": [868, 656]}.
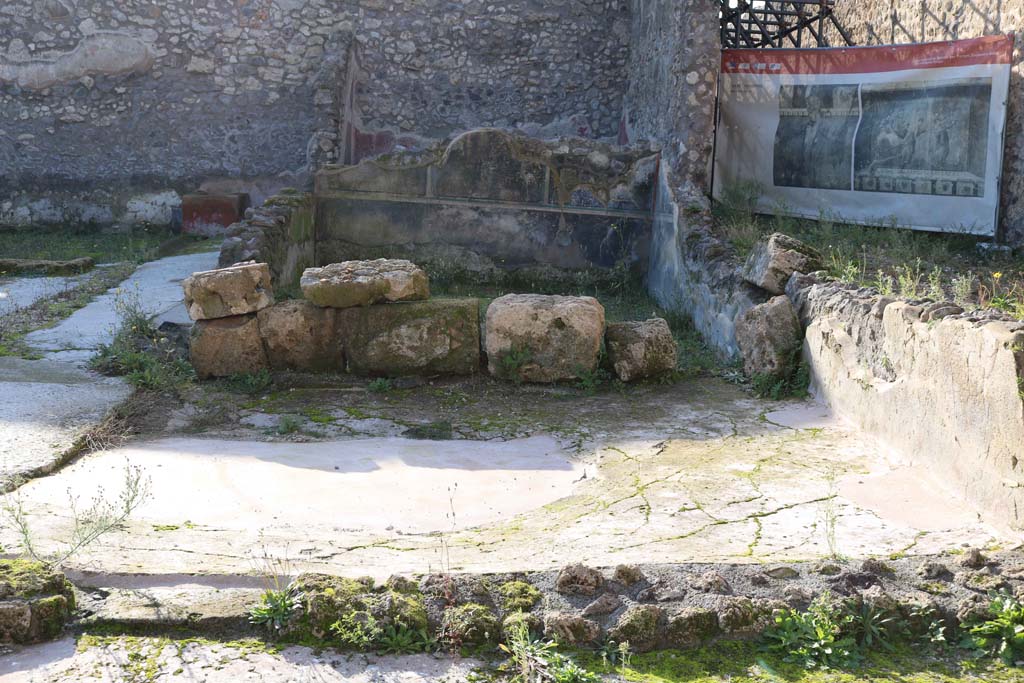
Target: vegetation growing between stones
{"type": "Point", "coordinates": [532, 660]}
{"type": "Point", "coordinates": [897, 262]}
{"type": "Point", "coordinates": [837, 634]}
{"type": "Point", "coordinates": [141, 353]}
{"type": "Point", "coordinates": [793, 384]}
{"type": "Point", "coordinates": [17, 323]}
{"type": "Point", "coordinates": [1001, 634]}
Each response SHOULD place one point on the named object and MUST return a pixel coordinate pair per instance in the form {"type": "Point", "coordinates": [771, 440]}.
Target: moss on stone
{"type": "Point", "coordinates": [39, 601]}
{"type": "Point", "coordinates": [745, 662]}
{"type": "Point", "coordinates": [24, 579]}
{"type": "Point", "coordinates": [329, 600]}
{"type": "Point", "coordinates": [469, 624]}
{"type": "Point", "coordinates": [49, 616]}
{"type": "Point", "coordinates": [533, 623]}
{"type": "Point", "coordinates": [640, 626]}
{"type": "Point", "coordinates": [518, 596]}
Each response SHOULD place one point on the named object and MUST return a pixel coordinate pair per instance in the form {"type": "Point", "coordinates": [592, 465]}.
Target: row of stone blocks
{"type": "Point", "coordinates": [375, 318]}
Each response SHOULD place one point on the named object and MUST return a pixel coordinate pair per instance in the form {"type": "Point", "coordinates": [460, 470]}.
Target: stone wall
{"type": "Point", "coordinates": [490, 199]}
{"type": "Point", "coordinates": [886, 22]}
{"type": "Point", "coordinates": [110, 109]}
{"type": "Point", "coordinates": [281, 233]}
{"type": "Point", "coordinates": [945, 391]}
{"type": "Point", "coordinates": [673, 76]}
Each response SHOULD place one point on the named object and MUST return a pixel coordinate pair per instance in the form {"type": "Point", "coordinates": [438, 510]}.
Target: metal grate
{"type": "Point", "coordinates": [767, 24]}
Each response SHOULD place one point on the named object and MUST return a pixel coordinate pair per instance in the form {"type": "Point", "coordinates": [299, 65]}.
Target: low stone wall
{"type": "Point", "coordinates": [942, 390]}
{"type": "Point", "coordinates": [695, 272]}
{"type": "Point", "coordinates": [281, 234]}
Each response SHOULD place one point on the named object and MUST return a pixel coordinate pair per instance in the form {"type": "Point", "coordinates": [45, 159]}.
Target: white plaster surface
{"type": "Point", "coordinates": [158, 286]}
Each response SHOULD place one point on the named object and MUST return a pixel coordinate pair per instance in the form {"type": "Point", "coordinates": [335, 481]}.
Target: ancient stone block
{"type": "Point", "coordinates": [769, 336]}
{"type": "Point", "coordinates": [772, 262]}
{"type": "Point", "coordinates": [640, 626]}
{"type": "Point", "coordinates": [236, 290]}
{"type": "Point", "coordinates": [227, 346]}
{"type": "Point", "coordinates": [15, 621]}
{"type": "Point", "coordinates": [571, 629]}
{"type": "Point", "coordinates": [537, 338]}
{"type": "Point", "coordinates": [299, 335]}
{"type": "Point", "coordinates": [211, 214]}
{"type": "Point", "coordinates": [35, 602]}
{"type": "Point", "coordinates": [362, 283]}
{"type": "Point", "coordinates": [578, 579]}
{"type": "Point", "coordinates": [437, 337]}
{"type": "Point", "coordinates": [641, 349]}
{"type": "Point", "coordinates": [690, 627]}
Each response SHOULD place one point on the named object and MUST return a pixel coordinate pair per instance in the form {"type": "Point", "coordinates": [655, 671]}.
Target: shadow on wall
{"type": "Point", "coordinates": [694, 272]}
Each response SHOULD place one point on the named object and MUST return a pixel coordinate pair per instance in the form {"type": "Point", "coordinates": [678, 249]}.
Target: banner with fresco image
{"type": "Point", "coordinates": [908, 135]}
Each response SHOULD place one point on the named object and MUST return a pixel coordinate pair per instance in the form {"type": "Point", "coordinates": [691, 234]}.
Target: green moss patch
{"type": "Point", "coordinates": [739, 662]}
{"type": "Point", "coordinates": [518, 596]}
{"type": "Point", "coordinates": [351, 612]}
{"type": "Point", "coordinates": [471, 624]}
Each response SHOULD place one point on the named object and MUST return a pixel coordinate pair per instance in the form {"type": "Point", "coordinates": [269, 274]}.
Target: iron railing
{"type": "Point", "coordinates": [768, 24]}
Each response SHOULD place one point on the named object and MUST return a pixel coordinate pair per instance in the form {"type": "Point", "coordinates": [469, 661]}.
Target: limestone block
{"type": "Point", "coordinates": [641, 349]}
{"type": "Point", "coordinates": [227, 346]}
{"type": "Point", "coordinates": [299, 335]}
{"type": "Point", "coordinates": [538, 338]}
{"type": "Point", "coordinates": [362, 283]}
{"type": "Point", "coordinates": [15, 621]}
{"type": "Point", "coordinates": [769, 335]}
{"type": "Point", "coordinates": [35, 602]}
{"type": "Point", "coordinates": [437, 337]}
{"type": "Point", "coordinates": [772, 262]}
{"type": "Point", "coordinates": [571, 629]}
{"type": "Point", "coordinates": [236, 290]}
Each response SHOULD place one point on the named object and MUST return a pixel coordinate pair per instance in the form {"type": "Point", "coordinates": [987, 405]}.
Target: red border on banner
{"type": "Point", "coordinates": [856, 60]}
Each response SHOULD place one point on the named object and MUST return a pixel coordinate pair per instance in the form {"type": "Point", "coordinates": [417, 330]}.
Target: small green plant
{"type": "Point", "coordinates": [139, 352]}
{"type": "Point", "coordinates": [102, 516]}
{"type": "Point", "coordinates": [936, 291]}
{"type": "Point", "coordinates": [590, 381]}
{"type": "Point", "coordinates": [538, 660]}
{"type": "Point", "coordinates": [401, 640]}
{"type": "Point", "coordinates": [873, 627]}
{"type": "Point", "coordinates": [1002, 633]}
{"type": "Point", "coordinates": [795, 384]}
{"type": "Point", "coordinates": [818, 638]}
{"type": "Point", "coordinates": [926, 626]}
{"type": "Point", "coordinates": [288, 424]}
{"type": "Point", "coordinates": [251, 382]}
{"type": "Point", "coordinates": [381, 385]}
{"type": "Point", "coordinates": [514, 360]}
{"type": "Point", "coordinates": [885, 284]}
{"type": "Point", "coordinates": [963, 289]}
{"type": "Point", "coordinates": [615, 654]}
{"type": "Point", "coordinates": [909, 278]}
{"type": "Point", "coordinates": [277, 607]}
{"type": "Point", "coordinates": [357, 630]}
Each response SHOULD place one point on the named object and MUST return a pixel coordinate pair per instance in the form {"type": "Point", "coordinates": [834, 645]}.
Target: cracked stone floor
{"type": "Point", "coordinates": [528, 478]}
{"type": "Point", "coordinates": [163, 660]}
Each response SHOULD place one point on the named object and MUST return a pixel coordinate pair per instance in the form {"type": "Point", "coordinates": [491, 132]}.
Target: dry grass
{"type": "Point", "coordinates": [898, 262]}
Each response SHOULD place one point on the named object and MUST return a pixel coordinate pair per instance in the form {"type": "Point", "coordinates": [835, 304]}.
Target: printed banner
{"type": "Point", "coordinates": [909, 136]}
